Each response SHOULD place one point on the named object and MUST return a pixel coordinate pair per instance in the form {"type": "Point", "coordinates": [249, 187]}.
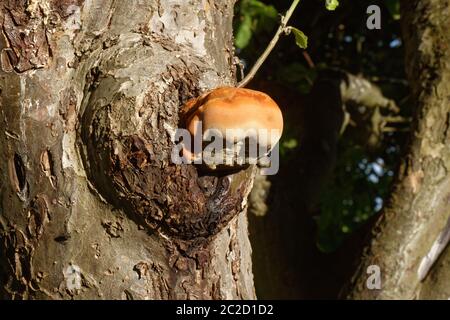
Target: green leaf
{"type": "Point", "coordinates": [300, 38]}
{"type": "Point", "coordinates": [257, 7]}
{"type": "Point", "coordinates": [394, 8]}
{"type": "Point", "coordinates": [291, 143]}
{"type": "Point", "coordinates": [331, 4]}
{"type": "Point", "coordinates": [244, 33]}
{"type": "Point", "coordinates": [296, 75]}
{"type": "Point", "coordinates": [254, 17]}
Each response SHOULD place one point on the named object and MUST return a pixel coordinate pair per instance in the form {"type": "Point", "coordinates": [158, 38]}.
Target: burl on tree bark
{"type": "Point", "coordinates": [90, 204]}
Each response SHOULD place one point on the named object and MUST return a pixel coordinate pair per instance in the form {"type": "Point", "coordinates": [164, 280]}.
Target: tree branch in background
{"type": "Point", "coordinates": [283, 28]}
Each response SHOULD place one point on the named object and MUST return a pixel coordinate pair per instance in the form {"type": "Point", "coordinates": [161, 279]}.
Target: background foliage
{"type": "Point", "coordinates": [339, 39]}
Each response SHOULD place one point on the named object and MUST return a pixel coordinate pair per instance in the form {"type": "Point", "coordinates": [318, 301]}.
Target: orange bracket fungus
{"type": "Point", "coordinates": [248, 122]}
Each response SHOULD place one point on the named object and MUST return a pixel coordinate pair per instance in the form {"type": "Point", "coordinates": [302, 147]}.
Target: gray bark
{"type": "Point", "coordinates": [90, 205]}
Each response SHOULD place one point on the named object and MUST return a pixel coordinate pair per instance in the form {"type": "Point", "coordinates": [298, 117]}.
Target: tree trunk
{"type": "Point", "coordinates": [91, 206]}
{"type": "Point", "coordinates": [419, 206]}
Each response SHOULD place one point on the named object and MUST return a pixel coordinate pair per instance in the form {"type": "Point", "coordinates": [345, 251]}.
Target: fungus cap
{"type": "Point", "coordinates": [239, 109]}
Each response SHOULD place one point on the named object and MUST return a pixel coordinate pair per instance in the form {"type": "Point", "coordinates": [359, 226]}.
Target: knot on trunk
{"type": "Point", "coordinates": [127, 139]}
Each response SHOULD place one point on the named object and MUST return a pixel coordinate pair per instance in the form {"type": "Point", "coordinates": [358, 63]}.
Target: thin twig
{"type": "Point", "coordinates": [308, 59]}
{"type": "Point", "coordinates": [281, 29]}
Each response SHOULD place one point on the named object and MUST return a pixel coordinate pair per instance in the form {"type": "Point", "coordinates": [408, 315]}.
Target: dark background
{"type": "Point", "coordinates": [330, 189]}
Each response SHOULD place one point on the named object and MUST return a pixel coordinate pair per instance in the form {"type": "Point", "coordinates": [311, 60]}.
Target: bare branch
{"type": "Point", "coordinates": [281, 29]}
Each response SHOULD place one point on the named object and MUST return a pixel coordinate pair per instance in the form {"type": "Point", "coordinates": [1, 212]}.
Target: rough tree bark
{"type": "Point", "coordinates": [90, 205]}
{"type": "Point", "coordinates": [419, 206]}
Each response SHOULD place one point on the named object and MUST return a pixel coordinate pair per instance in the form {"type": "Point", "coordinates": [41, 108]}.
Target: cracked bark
{"type": "Point", "coordinates": [90, 205]}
